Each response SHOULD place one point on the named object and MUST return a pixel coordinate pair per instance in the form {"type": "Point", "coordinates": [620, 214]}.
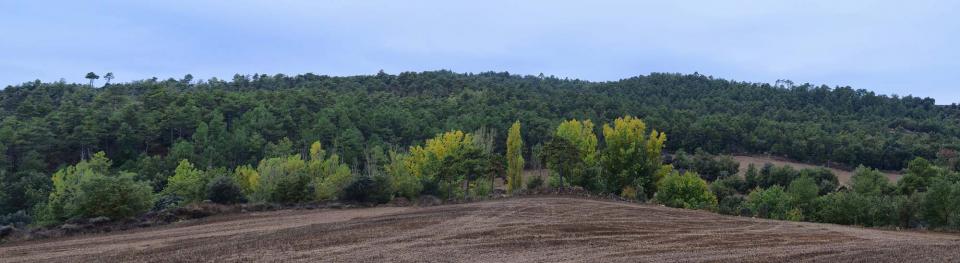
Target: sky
{"type": "Point", "coordinates": [890, 47]}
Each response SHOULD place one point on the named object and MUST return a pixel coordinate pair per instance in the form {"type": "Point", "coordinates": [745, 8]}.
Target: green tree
{"type": "Point", "coordinates": [562, 156]}
{"type": "Point", "coordinates": [108, 77]}
{"type": "Point", "coordinates": [772, 202]}
{"type": "Point", "coordinates": [91, 76]}
{"type": "Point", "coordinates": [187, 182]}
{"type": "Point", "coordinates": [869, 182]}
{"type": "Point", "coordinates": [124, 198]}
{"type": "Point", "coordinates": [920, 173]}
{"type": "Point", "coordinates": [941, 205]}
{"type": "Point", "coordinates": [803, 191]}
{"type": "Point", "coordinates": [685, 190]}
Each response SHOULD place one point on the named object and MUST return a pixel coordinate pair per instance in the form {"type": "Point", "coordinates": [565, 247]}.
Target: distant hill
{"type": "Point", "coordinates": [45, 125]}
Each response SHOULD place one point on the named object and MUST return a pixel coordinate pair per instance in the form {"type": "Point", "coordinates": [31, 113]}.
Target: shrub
{"type": "Point", "coordinates": [19, 218]}
{"type": "Point", "coordinates": [187, 182]}
{"type": "Point", "coordinates": [826, 181]}
{"type": "Point", "coordinates": [710, 167]}
{"type": "Point", "coordinates": [482, 188]}
{"type": "Point", "coordinates": [292, 188]}
{"type": "Point", "coordinates": [535, 183]}
{"type": "Point", "coordinates": [368, 189]}
{"type": "Point", "coordinates": [731, 205]}
{"type": "Point", "coordinates": [404, 182]}
{"type": "Point", "coordinates": [852, 208]}
{"type": "Point", "coordinates": [725, 187]}
{"type": "Point", "coordinates": [88, 190]}
{"type": "Point", "coordinates": [772, 202]}
{"type": "Point", "coordinates": [869, 182]}
{"type": "Point", "coordinates": [430, 187]}
{"type": "Point", "coordinates": [803, 191]}
{"type": "Point", "coordinates": [941, 205]}
{"type": "Point", "coordinates": [116, 197]}
{"type": "Point", "coordinates": [247, 178]}
{"type": "Point", "coordinates": [224, 190]}
{"type": "Point", "coordinates": [685, 190]}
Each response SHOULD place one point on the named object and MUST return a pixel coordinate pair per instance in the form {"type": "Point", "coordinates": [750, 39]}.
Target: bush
{"type": "Point", "coordinates": [728, 186]}
{"type": "Point", "coordinates": [482, 188]}
{"type": "Point", "coordinates": [292, 188]}
{"type": "Point", "coordinates": [772, 202]}
{"type": "Point", "coordinates": [870, 182]}
{"type": "Point", "coordinates": [187, 182]}
{"type": "Point", "coordinates": [826, 181]}
{"type": "Point", "coordinates": [731, 205]}
{"type": "Point", "coordinates": [87, 189]}
{"type": "Point", "coordinates": [367, 189]}
{"type": "Point", "coordinates": [429, 187]}
{"type": "Point", "coordinates": [687, 191]}
{"type": "Point", "coordinates": [803, 191]}
{"type": "Point", "coordinates": [535, 183]}
{"type": "Point", "coordinates": [941, 205]}
{"type": "Point", "coordinates": [224, 190]}
{"type": "Point", "coordinates": [852, 208]}
{"type": "Point", "coordinates": [404, 182]}
{"type": "Point", "coordinates": [20, 218]}
{"type": "Point", "coordinates": [116, 197]}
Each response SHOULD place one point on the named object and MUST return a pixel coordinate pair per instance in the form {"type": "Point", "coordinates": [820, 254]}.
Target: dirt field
{"type": "Point", "coordinates": [843, 176]}
{"type": "Point", "coordinates": [534, 229]}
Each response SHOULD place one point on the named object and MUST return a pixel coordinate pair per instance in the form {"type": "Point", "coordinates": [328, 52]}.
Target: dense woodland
{"type": "Point", "coordinates": [305, 138]}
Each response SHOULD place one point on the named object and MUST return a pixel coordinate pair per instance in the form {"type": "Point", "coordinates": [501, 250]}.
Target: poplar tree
{"type": "Point", "coordinates": [514, 158]}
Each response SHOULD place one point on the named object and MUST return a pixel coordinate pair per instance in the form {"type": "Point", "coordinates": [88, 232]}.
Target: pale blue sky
{"type": "Point", "coordinates": [892, 47]}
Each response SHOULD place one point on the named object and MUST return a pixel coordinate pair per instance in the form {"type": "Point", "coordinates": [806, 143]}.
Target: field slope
{"type": "Point", "coordinates": [513, 230]}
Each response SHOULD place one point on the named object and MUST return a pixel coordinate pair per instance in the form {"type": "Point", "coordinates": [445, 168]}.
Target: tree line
{"type": "Point", "coordinates": [149, 127]}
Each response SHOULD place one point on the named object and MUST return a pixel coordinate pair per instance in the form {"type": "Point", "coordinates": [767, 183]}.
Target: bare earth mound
{"type": "Point", "coordinates": [533, 229]}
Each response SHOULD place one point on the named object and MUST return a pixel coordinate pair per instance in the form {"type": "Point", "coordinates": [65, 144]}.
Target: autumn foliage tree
{"type": "Point", "coordinates": [514, 158]}
{"type": "Point", "coordinates": [632, 156]}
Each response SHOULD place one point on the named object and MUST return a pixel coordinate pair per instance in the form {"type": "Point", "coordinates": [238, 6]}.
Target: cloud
{"type": "Point", "coordinates": [892, 47]}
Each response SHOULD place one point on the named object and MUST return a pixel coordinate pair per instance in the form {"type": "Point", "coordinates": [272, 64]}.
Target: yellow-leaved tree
{"type": "Point", "coordinates": [514, 158]}
{"type": "Point", "coordinates": [631, 159]}
{"type": "Point", "coordinates": [580, 134]}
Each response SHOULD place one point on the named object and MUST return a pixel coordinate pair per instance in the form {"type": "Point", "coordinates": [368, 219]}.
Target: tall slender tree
{"type": "Point", "coordinates": [514, 158]}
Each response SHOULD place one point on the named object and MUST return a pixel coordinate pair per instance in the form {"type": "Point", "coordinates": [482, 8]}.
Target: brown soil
{"type": "Point", "coordinates": [842, 175]}
{"type": "Point", "coordinates": [532, 229]}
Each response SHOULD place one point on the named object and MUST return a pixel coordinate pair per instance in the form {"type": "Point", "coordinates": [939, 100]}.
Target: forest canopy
{"type": "Point", "coordinates": [151, 126]}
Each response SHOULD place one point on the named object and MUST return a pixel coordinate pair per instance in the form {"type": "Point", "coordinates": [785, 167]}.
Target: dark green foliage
{"type": "Point", "coordinates": [710, 167]}
{"type": "Point", "coordinates": [826, 181]}
{"type": "Point", "coordinates": [733, 205]}
{"type": "Point", "coordinates": [562, 156]}
{"type": "Point", "coordinates": [868, 181]}
{"type": "Point", "coordinates": [729, 186]}
{"type": "Point", "coordinates": [47, 125]}
{"type": "Point", "coordinates": [918, 177]}
{"type": "Point", "coordinates": [941, 205]}
{"type": "Point", "coordinates": [224, 190]}
{"type": "Point", "coordinates": [772, 202]}
{"type": "Point", "coordinates": [292, 188]}
{"type": "Point", "coordinates": [20, 218]}
{"type": "Point", "coordinates": [771, 175]}
{"type": "Point", "coordinates": [535, 183]}
{"type": "Point", "coordinates": [803, 191]}
{"type": "Point", "coordinates": [367, 189]}
{"type": "Point", "coordinates": [852, 208]}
